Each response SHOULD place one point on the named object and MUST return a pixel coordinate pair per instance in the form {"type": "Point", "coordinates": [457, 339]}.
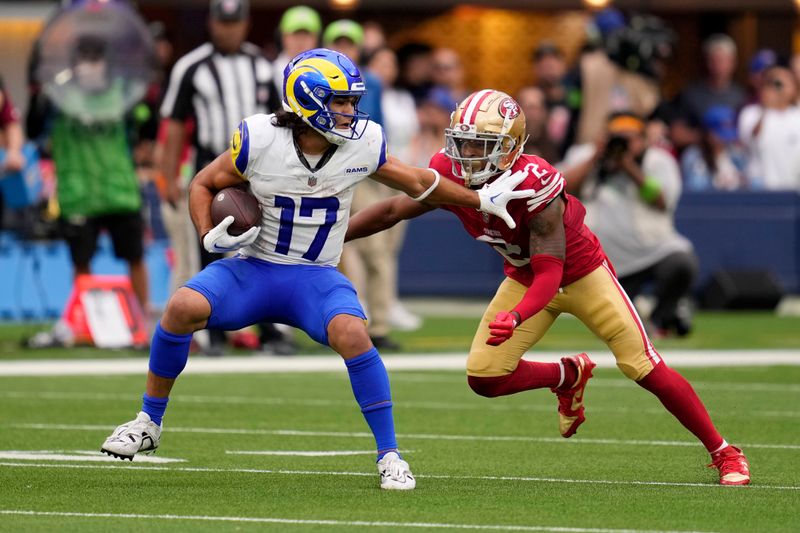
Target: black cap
{"type": "Point", "coordinates": [230, 10]}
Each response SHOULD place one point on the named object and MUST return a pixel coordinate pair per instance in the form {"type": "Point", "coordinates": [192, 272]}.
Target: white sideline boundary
{"type": "Point", "coordinates": [341, 523]}
{"type": "Point", "coordinates": [332, 363]}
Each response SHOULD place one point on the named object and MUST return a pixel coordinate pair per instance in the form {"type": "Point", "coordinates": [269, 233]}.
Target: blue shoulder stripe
{"type": "Point", "coordinates": [382, 155]}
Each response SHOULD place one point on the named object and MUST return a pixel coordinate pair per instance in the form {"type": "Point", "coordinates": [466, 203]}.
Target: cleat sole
{"type": "Point", "coordinates": [116, 455]}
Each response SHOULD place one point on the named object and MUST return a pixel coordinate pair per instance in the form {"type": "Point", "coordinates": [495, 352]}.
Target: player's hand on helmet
{"type": "Point", "coordinates": [495, 196]}
{"type": "Point", "coordinates": [502, 328]}
{"type": "Point", "coordinates": [218, 240]}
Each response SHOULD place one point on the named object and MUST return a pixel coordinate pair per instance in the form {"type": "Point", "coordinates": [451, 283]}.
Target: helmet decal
{"type": "Point", "coordinates": [509, 108]}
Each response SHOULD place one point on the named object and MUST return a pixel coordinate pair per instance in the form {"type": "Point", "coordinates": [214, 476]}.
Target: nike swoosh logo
{"type": "Point", "coordinates": [550, 178]}
{"type": "Point", "coordinates": [493, 197]}
{"type": "Point", "coordinates": [577, 401]}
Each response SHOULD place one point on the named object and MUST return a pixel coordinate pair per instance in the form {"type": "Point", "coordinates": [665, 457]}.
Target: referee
{"type": "Point", "coordinates": [211, 89]}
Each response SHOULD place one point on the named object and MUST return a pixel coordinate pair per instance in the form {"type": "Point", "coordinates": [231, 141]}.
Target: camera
{"type": "Point", "coordinates": [615, 148]}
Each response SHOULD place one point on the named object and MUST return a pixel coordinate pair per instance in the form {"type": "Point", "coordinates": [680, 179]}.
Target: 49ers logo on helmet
{"type": "Point", "coordinates": [509, 108]}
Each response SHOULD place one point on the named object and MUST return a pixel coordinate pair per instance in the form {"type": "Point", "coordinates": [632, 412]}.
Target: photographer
{"type": "Point", "coordinates": [630, 191]}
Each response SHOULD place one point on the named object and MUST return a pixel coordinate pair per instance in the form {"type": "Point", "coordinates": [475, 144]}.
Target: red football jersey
{"type": "Point", "coordinates": [583, 250]}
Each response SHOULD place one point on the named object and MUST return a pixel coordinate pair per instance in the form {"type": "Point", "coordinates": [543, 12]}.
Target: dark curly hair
{"type": "Point", "coordinates": [287, 119]}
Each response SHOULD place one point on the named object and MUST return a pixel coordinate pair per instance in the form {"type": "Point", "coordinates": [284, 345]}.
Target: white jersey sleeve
{"type": "Point", "coordinates": [374, 146]}
{"type": "Point", "coordinates": [250, 142]}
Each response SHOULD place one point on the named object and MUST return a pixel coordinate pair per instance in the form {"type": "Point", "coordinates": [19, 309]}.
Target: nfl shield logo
{"type": "Point", "coordinates": [312, 181]}
{"type": "Point", "coordinates": [485, 217]}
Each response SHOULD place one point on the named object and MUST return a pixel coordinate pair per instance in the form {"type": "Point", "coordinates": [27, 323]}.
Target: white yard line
{"type": "Point", "coordinates": [332, 363]}
{"type": "Point", "coordinates": [92, 456]}
{"type": "Point", "coordinates": [410, 436]}
{"type": "Point", "coordinates": [128, 466]}
{"type": "Point", "coordinates": [303, 453]}
{"type": "Point", "coordinates": [342, 523]}
{"type": "Point", "coordinates": [60, 396]}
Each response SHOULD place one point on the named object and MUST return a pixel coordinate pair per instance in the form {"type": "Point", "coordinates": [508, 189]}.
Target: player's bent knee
{"type": "Point", "coordinates": [634, 372]}
{"type": "Point", "coordinates": [187, 311]}
{"type": "Point", "coordinates": [488, 387]}
{"type": "Point", "coordinates": [347, 334]}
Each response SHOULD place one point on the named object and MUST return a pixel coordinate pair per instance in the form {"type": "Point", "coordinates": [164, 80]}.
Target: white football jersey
{"type": "Point", "coordinates": [304, 212]}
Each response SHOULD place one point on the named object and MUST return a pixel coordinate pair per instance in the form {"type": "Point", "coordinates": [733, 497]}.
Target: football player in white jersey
{"type": "Point", "coordinates": [302, 164]}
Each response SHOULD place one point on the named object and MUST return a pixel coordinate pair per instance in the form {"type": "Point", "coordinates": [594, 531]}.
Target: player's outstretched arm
{"type": "Point", "coordinates": [548, 250]}
{"type": "Point", "coordinates": [217, 175]}
{"type": "Point", "coordinates": [426, 184]}
{"type": "Point", "coordinates": [383, 215]}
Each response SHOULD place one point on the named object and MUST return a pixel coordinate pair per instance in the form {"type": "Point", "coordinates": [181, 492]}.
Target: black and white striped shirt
{"type": "Point", "coordinates": [218, 90]}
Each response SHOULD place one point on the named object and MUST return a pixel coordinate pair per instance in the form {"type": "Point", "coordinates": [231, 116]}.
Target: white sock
{"type": "Point", "coordinates": [561, 369]}
{"type": "Point", "coordinates": [722, 446]}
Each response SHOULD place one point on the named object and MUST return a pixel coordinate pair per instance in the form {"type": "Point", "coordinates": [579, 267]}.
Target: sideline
{"type": "Point", "coordinates": [331, 363]}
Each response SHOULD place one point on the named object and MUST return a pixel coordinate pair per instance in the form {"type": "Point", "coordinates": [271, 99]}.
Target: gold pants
{"type": "Point", "coordinates": [596, 299]}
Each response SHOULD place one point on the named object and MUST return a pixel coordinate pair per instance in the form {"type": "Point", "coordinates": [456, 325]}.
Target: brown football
{"type": "Point", "coordinates": [238, 203]}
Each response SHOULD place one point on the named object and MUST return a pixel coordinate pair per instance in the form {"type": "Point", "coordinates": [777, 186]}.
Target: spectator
{"type": "Point", "coordinates": [416, 69]}
{"type": "Point", "coordinates": [631, 191]}
{"type": "Point", "coordinates": [97, 186]}
{"type": "Point", "coordinates": [550, 72]}
{"type": "Point", "coordinates": [299, 27]}
{"type": "Point", "coordinates": [448, 72]}
{"type": "Point", "coordinates": [208, 87]}
{"type": "Point", "coordinates": [718, 162]}
{"type": "Point", "coordinates": [770, 130]}
{"type": "Point", "coordinates": [759, 63]}
{"type": "Point", "coordinates": [399, 112]}
{"type": "Point", "coordinates": [433, 114]}
{"type": "Point", "coordinates": [401, 127]}
{"type": "Point", "coordinates": [346, 36]}
{"type": "Point", "coordinates": [12, 139]}
{"type": "Point", "coordinates": [718, 86]}
{"type": "Point", "coordinates": [374, 38]}
{"type": "Point", "coordinates": [532, 101]}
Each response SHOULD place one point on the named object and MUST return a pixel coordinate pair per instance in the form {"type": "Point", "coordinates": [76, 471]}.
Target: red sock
{"type": "Point", "coordinates": [679, 398]}
{"type": "Point", "coordinates": [528, 375]}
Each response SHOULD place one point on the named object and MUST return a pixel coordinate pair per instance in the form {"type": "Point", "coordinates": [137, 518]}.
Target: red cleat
{"type": "Point", "coordinates": [732, 465]}
{"type": "Point", "coordinates": [570, 401]}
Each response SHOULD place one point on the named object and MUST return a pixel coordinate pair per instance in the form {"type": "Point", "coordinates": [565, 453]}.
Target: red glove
{"type": "Point", "coordinates": [502, 328]}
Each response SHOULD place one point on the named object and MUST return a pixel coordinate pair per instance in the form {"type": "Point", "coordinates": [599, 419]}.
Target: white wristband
{"type": "Point", "coordinates": [431, 188]}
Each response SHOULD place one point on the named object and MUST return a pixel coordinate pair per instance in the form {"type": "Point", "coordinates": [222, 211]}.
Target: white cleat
{"type": "Point", "coordinates": [395, 473]}
{"type": "Point", "coordinates": [141, 435]}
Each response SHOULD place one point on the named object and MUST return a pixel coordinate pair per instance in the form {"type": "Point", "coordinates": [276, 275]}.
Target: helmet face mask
{"type": "Point", "coordinates": [485, 137]}
{"type": "Point", "coordinates": [477, 157]}
{"type": "Point", "coordinates": [312, 81]}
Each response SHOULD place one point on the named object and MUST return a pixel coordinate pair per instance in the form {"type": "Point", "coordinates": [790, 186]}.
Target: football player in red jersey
{"type": "Point", "coordinates": [553, 264]}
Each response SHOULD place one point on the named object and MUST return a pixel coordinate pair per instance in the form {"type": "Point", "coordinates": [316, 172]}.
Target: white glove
{"type": "Point", "coordinates": [496, 195]}
{"type": "Point", "coordinates": [218, 240]}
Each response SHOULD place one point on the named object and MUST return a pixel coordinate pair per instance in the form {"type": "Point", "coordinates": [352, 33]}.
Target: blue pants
{"type": "Point", "coordinates": [245, 290]}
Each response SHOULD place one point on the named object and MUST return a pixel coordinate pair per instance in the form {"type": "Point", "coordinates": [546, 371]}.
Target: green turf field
{"type": "Point", "coordinates": [481, 464]}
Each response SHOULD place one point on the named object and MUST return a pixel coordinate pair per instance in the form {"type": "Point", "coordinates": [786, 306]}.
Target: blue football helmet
{"type": "Point", "coordinates": [312, 79]}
